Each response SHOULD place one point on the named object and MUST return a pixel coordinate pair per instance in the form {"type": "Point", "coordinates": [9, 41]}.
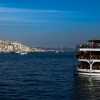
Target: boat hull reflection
{"type": "Point", "coordinates": [87, 87]}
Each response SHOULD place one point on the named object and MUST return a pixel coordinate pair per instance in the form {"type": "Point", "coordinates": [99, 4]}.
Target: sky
{"type": "Point", "coordinates": [50, 23]}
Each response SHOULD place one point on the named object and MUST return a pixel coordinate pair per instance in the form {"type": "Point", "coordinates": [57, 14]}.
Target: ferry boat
{"type": "Point", "coordinates": [89, 58]}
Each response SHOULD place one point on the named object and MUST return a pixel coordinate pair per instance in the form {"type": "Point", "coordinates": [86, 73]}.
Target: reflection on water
{"type": "Point", "coordinates": [87, 88]}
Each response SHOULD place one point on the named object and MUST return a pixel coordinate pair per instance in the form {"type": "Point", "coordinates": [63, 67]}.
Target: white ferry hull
{"type": "Point", "coordinates": [88, 72]}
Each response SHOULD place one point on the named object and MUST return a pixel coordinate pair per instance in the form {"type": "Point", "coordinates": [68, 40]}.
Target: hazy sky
{"type": "Point", "coordinates": [50, 23]}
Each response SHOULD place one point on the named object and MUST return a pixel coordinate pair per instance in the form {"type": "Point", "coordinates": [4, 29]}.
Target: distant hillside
{"type": "Point", "coordinates": [13, 46]}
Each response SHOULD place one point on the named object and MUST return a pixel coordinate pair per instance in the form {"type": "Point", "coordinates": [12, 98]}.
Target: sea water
{"type": "Point", "coordinates": [44, 76]}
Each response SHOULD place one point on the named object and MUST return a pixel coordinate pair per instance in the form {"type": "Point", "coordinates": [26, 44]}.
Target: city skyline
{"type": "Point", "coordinates": [50, 23]}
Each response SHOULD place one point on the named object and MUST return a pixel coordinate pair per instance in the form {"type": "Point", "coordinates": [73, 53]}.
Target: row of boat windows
{"type": "Point", "coordinates": [90, 45]}
{"type": "Point", "coordinates": [85, 65]}
{"type": "Point", "coordinates": [89, 55]}
{"type": "Point", "coordinates": [89, 52]}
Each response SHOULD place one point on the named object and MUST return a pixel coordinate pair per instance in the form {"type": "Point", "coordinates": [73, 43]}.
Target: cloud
{"type": "Point", "coordinates": [21, 15]}
{"type": "Point", "coordinates": [7, 9]}
{"type": "Point", "coordinates": [29, 15]}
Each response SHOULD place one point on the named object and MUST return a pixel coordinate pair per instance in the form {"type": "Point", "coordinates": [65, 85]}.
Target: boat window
{"type": "Point", "coordinates": [84, 65]}
{"type": "Point", "coordinates": [96, 66]}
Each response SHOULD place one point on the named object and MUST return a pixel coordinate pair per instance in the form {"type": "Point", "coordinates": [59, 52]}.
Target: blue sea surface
{"type": "Point", "coordinates": [44, 76]}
